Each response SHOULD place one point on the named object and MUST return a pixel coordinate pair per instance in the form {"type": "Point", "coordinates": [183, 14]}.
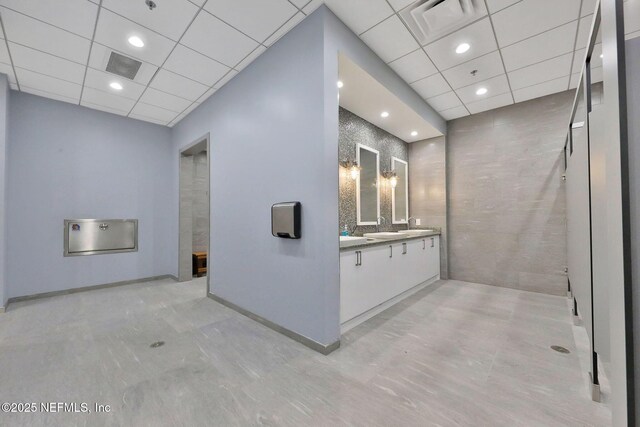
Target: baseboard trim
{"type": "Point", "coordinates": [308, 342]}
{"type": "Point", "coordinates": [363, 317]}
{"type": "Point", "coordinates": [86, 288]}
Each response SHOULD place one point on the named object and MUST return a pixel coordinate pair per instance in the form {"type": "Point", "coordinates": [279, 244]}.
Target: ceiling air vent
{"type": "Point", "coordinates": [432, 19]}
{"type": "Point", "coordinates": [123, 65]}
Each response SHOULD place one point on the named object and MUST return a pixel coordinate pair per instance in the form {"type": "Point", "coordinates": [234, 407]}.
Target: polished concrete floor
{"type": "Point", "coordinates": [455, 354]}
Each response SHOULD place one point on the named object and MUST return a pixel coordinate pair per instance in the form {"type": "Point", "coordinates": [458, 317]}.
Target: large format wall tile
{"type": "Point", "coordinates": [506, 197]}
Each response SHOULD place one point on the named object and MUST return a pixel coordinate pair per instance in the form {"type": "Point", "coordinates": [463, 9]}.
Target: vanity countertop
{"type": "Point", "coordinates": [401, 238]}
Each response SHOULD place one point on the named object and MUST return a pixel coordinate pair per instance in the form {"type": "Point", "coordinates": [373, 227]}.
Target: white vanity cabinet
{"type": "Point", "coordinates": [374, 278]}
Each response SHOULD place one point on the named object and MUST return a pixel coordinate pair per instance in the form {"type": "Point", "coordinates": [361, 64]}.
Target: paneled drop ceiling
{"type": "Point", "coordinates": [521, 49]}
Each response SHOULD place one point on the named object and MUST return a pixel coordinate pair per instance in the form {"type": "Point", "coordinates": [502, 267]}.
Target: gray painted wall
{"type": "Point", "coordinates": [266, 148]}
{"type": "Point", "coordinates": [506, 196]}
{"type": "Point", "coordinates": [4, 114]}
{"type": "Point", "coordinates": [356, 130]}
{"type": "Point", "coordinates": [68, 161]}
{"type": "Point", "coordinates": [428, 189]}
{"type": "Point", "coordinates": [633, 116]}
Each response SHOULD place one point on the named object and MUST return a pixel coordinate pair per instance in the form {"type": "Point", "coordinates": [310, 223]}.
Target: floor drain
{"type": "Point", "coordinates": [560, 349]}
{"type": "Point", "coordinates": [157, 344]}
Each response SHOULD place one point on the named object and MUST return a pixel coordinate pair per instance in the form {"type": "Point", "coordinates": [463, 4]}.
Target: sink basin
{"type": "Point", "coordinates": [346, 241]}
{"type": "Point", "coordinates": [383, 235]}
{"type": "Point", "coordinates": [416, 232]}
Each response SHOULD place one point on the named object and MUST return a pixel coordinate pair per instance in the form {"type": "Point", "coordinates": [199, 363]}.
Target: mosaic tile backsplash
{"type": "Point", "coordinates": [353, 130]}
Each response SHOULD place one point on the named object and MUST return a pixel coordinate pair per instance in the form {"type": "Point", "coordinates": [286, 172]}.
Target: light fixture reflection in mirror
{"type": "Point", "coordinates": [391, 177]}
{"type": "Point", "coordinates": [351, 168]}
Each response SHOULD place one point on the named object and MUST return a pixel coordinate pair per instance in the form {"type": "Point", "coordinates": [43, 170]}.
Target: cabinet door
{"type": "Point", "coordinates": [433, 257]}
{"type": "Point", "coordinates": [363, 280]}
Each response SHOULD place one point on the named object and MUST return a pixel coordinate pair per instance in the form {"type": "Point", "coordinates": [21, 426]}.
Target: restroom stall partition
{"type": "Point", "coordinates": [585, 160]}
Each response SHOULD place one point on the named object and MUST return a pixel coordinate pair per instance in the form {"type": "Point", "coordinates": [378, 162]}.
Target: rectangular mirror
{"type": "Point", "coordinates": [399, 193]}
{"type": "Point", "coordinates": [367, 186]}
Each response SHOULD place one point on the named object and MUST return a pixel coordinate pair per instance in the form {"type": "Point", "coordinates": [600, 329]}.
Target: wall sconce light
{"type": "Point", "coordinates": [352, 168]}
{"type": "Point", "coordinates": [391, 176]}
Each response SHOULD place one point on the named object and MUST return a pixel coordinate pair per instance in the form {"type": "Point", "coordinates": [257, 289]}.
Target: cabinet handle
{"type": "Point", "coordinates": [358, 258]}
{"type": "Point", "coordinates": [390, 251]}
{"type": "Point", "coordinates": [432, 241]}
{"type": "Point", "coordinates": [424, 244]}
{"type": "Point", "coordinates": [404, 248]}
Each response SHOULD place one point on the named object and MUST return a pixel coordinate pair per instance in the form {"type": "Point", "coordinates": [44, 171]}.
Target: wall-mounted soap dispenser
{"type": "Point", "coordinates": [286, 220]}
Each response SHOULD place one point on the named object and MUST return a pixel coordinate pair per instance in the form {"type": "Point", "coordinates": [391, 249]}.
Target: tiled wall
{"type": "Point", "coordinates": [427, 189]}
{"type": "Point", "coordinates": [506, 210]}
{"type": "Point", "coordinates": [353, 130]}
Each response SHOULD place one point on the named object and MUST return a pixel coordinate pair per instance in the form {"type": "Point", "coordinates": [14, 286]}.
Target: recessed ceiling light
{"type": "Point", "coordinates": [340, 84]}
{"type": "Point", "coordinates": [602, 55]}
{"type": "Point", "coordinates": [462, 48]}
{"type": "Point", "coordinates": [414, 133]}
{"type": "Point", "coordinates": [136, 41]}
{"type": "Point", "coordinates": [115, 85]}
{"type": "Point", "coordinates": [481, 91]}
{"type": "Point", "coordinates": [384, 114]}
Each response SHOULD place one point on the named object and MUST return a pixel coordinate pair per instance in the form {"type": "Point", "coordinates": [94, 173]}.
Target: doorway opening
{"type": "Point", "coordinates": [194, 220]}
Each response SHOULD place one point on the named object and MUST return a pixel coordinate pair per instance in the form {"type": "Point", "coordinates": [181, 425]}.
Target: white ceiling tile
{"type": "Point", "coordinates": [223, 81]}
{"type": "Point", "coordinates": [541, 72]}
{"type": "Point", "coordinates": [496, 5]}
{"type": "Point", "coordinates": [390, 39]}
{"type": "Point", "coordinates": [38, 35]}
{"type": "Point", "coordinates": [205, 35]}
{"type": "Point", "coordinates": [170, 18]}
{"type": "Point", "coordinates": [490, 103]}
{"type": "Point", "coordinates": [588, 7]}
{"type": "Point", "coordinates": [198, 2]}
{"type": "Point", "coordinates": [596, 75]}
{"type": "Point", "coordinates": [495, 86]}
{"type": "Point", "coordinates": [100, 57]}
{"type": "Point", "coordinates": [300, 3]}
{"type": "Point", "coordinates": [101, 80]}
{"type": "Point", "coordinates": [104, 108]}
{"type": "Point", "coordinates": [8, 70]}
{"type": "Point", "coordinates": [152, 112]}
{"type": "Point", "coordinates": [541, 89]}
{"type": "Point", "coordinates": [50, 95]}
{"type": "Point", "coordinates": [77, 16]}
{"type": "Point", "coordinates": [312, 6]}
{"type": "Point", "coordinates": [189, 63]}
{"type": "Point", "coordinates": [541, 47]}
{"type": "Point", "coordinates": [40, 82]}
{"type": "Point", "coordinates": [454, 113]}
{"type": "Point", "coordinates": [4, 53]}
{"type": "Point", "coordinates": [175, 84]}
{"type": "Point", "coordinates": [398, 5]}
{"type": "Point", "coordinates": [257, 19]}
{"type": "Point", "coordinates": [445, 101]}
{"type": "Point", "coordinates": [631, 16]}
{"type": "Point", "coordinates": [479, 36]}
{"type": "Point", "coordinates": [148, 119]}
{"type": "Point", "coordinates": [297, 18]}
{"type": "Point", "coordinates": [584, 30]}
{"type": "Point", "coordinates": [486, 66]}
{"type": "Point", "coordinates": [632, 35]}
{"type": "Point", "coordinates": [531, 17]}
{"type": "Point", "coordinates": [43, 63]}
{"type": "Point", "coordinates": [431, 86]}
{"type": "Point", "coordinates": [114, 31]}
{"type": "Point", "coordinates": [251, 57]}
{"type": "Point", "coordinates": [360, 15]}
{"type": "Point", "coordinates": [164, 100]}
{"type": "Point", "coordinates": [108, 100]}
{"type": "Point", "coordinates": [206, 95]}
{"type": "Point", "coordinates": [414, 66]}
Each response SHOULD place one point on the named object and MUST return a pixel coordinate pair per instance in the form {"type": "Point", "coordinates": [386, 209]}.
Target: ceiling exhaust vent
{"type": "Point", "coordinates": [432, 19]}
{"type": "Point", "coordinates": [123, 66]}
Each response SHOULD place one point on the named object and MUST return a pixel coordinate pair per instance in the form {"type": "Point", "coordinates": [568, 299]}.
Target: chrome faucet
{"type": "Point", "coordinates": [378, 221]}
{"type": "Point", "coordinates": [409, 222]}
